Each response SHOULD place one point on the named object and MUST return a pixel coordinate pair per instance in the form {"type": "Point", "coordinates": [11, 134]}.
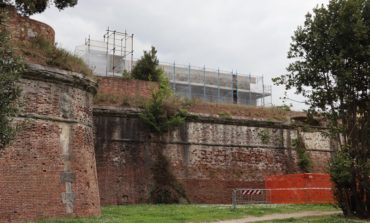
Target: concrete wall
{"type": "Point", "coordinates": [49, 170]}
{"type": "Point", "coordinates": [209, 156]}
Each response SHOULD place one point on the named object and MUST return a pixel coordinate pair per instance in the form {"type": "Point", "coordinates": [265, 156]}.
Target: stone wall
{"type": "Point", "coordinates": [209, 156]}
{"type": "Point", "coordinates": [49, 170]}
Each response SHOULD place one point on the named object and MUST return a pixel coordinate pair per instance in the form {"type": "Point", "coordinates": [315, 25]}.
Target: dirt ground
{"type": "Point", "coordinates": [282, 216]}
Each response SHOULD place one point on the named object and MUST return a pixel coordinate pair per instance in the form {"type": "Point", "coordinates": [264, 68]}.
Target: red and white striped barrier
{"type": "Point", "coordinates": [251, 192]}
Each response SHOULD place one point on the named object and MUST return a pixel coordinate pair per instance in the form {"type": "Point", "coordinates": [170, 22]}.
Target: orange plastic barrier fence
{"type": "Point", "coordinates": [308, 188]}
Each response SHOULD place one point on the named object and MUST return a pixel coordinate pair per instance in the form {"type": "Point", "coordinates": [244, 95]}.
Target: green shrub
{"type": "Point", "coordinates": [304, 161]}
{"type": "Point", "coordinates": [163, 113]}
{"type": "Point", "coordinates": [264, 136]}
{"type": "Point", "coordinates": [147, 67]}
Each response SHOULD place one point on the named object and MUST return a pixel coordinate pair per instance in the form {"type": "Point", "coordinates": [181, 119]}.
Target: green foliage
{"type": "Point", "coordinates": [147, 67]}
{"type": "Point", "coordinates": [225, 115]}
{"type": "Point", "coordinates": [10, 69]}
{"type": "Point", "coordinates": [264, 136]}
{"type": "Point", "coordinates": [332, 69]}
{"type": "Point", "coordinates": [29, 7]}
{"type": "Point", "coordinates": [161, 114]}
{"type": "Point", "coordinates": [304, 161]}
{"type": "Point", "coordinates": [126, 75]}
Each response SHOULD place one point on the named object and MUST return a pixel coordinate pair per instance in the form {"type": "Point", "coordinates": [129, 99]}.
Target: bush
{"type": "Point", "coordinates": [162, 114]}
{"type": "Point", "coordinates": [147, 68]}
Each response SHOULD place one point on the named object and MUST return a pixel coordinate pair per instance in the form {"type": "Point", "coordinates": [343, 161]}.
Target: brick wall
{"type": "Point", "coordinates": [209, 156]}
{"type": "Point", "coordinates": [23, 28]}
{"type": "Point", "coordinates": [49, 170]}
{"type": "Point", "coordinates": [117, 86]}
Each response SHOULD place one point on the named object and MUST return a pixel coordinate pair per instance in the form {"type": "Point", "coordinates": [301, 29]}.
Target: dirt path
{"type": "Point", "coordinates": [282, 216]}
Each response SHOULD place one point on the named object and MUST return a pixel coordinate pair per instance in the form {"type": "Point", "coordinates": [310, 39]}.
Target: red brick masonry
{"type": "Point", "coordinates": [298, 182]}
{"type": "Point", "coordinates": [119, 87]}
{"type": "Point", "coordinates": [49, 170]}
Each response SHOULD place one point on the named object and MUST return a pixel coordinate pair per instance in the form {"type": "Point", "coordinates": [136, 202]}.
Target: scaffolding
{"type": "Point", "coordinates": [110, 57]}
{"type": "Point", "coordinates": [114, 56]}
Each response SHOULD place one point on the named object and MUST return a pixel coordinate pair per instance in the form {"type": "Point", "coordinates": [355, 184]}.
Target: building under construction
{"type": "Point", "coordinates": [113, 56]}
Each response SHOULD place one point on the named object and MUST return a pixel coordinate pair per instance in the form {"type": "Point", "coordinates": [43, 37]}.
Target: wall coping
{"type": "Point", "coordinates": [197, 117]}
{"type": "Point", "coordinates": [55, 75]}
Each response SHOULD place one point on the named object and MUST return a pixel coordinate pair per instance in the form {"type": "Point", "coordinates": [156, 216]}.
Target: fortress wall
{"type": "Point", "coordinates": [209, 156]}
{"type": "Point", "coordinates": [23, 28]}
{"type": "Point", "coordinates": [49, 170]}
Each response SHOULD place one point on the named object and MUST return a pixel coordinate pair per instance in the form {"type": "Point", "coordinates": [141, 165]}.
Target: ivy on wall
{"type": "Point", "coordinates": [10, 69]}
{"type": "Point", "coordinates": [304, 161]}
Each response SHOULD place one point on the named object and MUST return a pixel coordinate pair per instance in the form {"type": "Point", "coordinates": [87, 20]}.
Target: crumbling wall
{"type": "Point", "coordinates": [49, 170]}
{"type": "Point", "coordinates": [209, 156]}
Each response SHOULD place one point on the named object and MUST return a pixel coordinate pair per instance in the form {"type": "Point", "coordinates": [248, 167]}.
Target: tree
{"type": "Point", "coordinates": [147, 67]}
{"type": "Point", "coordinates": [29, 7]}
{"type": "Point", "coordinates": [331, 67]}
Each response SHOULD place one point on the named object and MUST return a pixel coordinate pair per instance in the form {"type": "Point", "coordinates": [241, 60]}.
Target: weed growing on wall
{"type": "Point", "coordinates": [304, 161]}
{"type": "Point", "coordinates": [264, 136]}
{"type": "Point", "coordinates": [163, 113]}
{"type": "Point", "coordinates": [10, 69]}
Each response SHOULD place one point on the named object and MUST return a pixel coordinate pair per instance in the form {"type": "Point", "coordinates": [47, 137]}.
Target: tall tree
{"type": "Point", "coordinates": [331, 67]}
{"type": "Point", "coordinates": [29, 7]}
{"type": "Point", "coordinates": [147, 67]}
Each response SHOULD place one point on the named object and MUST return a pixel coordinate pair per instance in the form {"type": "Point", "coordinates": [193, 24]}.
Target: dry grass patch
{"type": "Point", "coordinates": [41, 51]}
{"type": "Point", "coordinates": [228, 110]}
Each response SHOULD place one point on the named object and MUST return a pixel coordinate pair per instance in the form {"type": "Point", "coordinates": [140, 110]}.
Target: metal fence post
{"type": "Point", "coordinates": [234, 199]}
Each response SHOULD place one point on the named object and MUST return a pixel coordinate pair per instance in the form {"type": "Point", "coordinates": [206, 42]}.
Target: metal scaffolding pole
{"type": "Point", "coordinates": [204, 82]}
{"type": "Point", "coordinates": [107, 52]}
{"type": "Point", "coordinates": [114, 51]}
{"type": "Point", "coordinates": [174, 77]}
{"type": "Point", "coordinates": [132, 51]}
{"type": "Point", "coordinates": [218, 85]}
{"type": "Point", "coordinates": [237, 88]}
{"type": "Point", "coordinates": [250, 89]}
{"type": "Point", "coordinates": [189, 79]}
{"type": "Point", "coordinates": [263, 92]}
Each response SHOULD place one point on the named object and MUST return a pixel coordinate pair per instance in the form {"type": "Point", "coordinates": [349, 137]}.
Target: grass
{"type": "Point", "coordinates": [330, 219]}
{"type": "Point", "coordinates": [41, 51]}
{"type": "Point", "coordinates": [187, 213]}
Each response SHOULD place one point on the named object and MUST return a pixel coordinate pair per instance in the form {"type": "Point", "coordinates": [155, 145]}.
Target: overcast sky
{"type": "Point", "coordinates": [248, 36]}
